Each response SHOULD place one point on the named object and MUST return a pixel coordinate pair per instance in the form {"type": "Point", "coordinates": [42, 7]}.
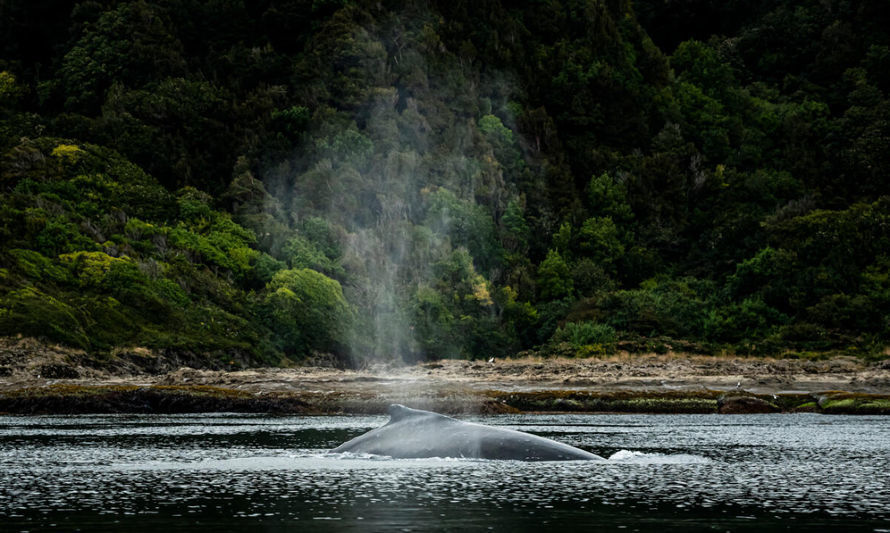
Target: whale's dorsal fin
{"type": "Point", "coordinates": [398, 412]}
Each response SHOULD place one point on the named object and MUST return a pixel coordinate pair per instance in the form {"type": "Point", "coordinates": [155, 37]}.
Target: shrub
{"type": "Point", "coordinates": [60, 236]}
{"type": "Point", "coordinates": [580, 334]}
{"type": "Point", "coordinates": [266, 266]}
{"type": "Point", "coordinates": [67, 152]}
{"type": "Point", "coordinates": [300, 252]}
{"type": "Point", "coordinates": [90, 269]}
{"type": "Point", "coordinates": [676, 308]}
{"type": "Point", "coordinates": [306, 310]}
{"type": "Point", "coordinates": [31, 312]}
{"type": "Point", "coordinates": [35, 266]}
{"type": "Point", "coordinates": [193, 204]}
{"type": "Point", "coordinates": [751, 319]}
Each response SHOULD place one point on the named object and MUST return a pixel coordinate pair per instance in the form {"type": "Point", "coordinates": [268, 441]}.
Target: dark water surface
{"type": "Point", "coordinates": [224, 472]}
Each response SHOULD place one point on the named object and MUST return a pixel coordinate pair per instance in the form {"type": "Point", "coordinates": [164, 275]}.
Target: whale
{"type": "Point", "coordinates": [416, 434]}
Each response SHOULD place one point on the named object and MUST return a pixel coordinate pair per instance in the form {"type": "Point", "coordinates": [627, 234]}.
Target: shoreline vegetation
{"type": "Point", "coordinates": [57, 380]}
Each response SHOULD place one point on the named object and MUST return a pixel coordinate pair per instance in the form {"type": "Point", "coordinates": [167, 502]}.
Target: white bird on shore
{"type": "Point", "coordinates": [491, 360]}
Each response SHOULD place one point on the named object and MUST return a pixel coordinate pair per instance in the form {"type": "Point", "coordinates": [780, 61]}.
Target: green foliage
{"type": "Point", "coordinates": [492, 126]}
{"type": "Point", "coordinates": [706, 121]}
{"type": "Point", "coordinates": [550, 315]}
{"type": "Point", "coordinates": [188, 117]}
{"type": "Point", "coordinates": [581, 334]}
{"type": "Point", "coordinates": [554, 277]}
{"type": "Point", "coordinates": [700, 64]}
{"type": "Point", "coordinates": [435, 324]}
{"type": "Point", "coordinates": [562, 239]}
{"type": "Point", "coordinates": [300, 252]}
{"type": "Point", "coordinates": [10, 90]}
{"type": "Point", "coordinates": [516, 230]}
{"type": "Point", "coordinates": [266, 266]}
{"type": "Point", "coordinates": [609, 199]}
{"type": "Point", "coordinates": [323, 236]}
{"type": "Point", "coordinates": [306, 309]}
{"type": "Point", "coordinates": [764, 274]}
{"type": "Point", "coordinates": [293, 121]}
{"type": "Point", "coordinates": [598, 238]}
{"type": "Point", "coordinates": [467, 224]}
{"type": "Point", "coordinates": [749, 320]}
{"type": "Point", "coordinates": [194, 205]}
{"type": "Point", "coordinates": [503, 142]}
{"type": "Point", "coordinates": [108, 264]}
{"type": "Point", "coordinates": [95, 269]}
{"type": "Point", "coordinates": [457, 315]}
{"type": "Point", "coordinates": [660, 307]}
{"type": "Point", "coordinates": [131, 44]}
{"type": "Point", "coordinates": [36, 266]}
{"type": "Point", "coordinates": [59, 236]}
{"type": "Point", "coordinates": [31, 312]}
{"type": "Point", "coordinates": [474, 174]}
{"type": "Point", "coordinates": [348, 146]}
{"type": "Point", "coordinates": [521, 315]}
{"type": "Point", "coordinates": [590, 278]}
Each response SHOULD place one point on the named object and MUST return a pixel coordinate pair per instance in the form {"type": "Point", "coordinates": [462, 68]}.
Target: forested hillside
{"type": "Point", "coordinates": [272, 180]}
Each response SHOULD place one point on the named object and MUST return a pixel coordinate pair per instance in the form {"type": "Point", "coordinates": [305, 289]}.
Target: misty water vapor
{"type": "Point", "coordinates": [411, 190]}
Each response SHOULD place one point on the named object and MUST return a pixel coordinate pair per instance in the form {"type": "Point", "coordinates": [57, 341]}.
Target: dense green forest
{"type": "Point", "coordinates": [279, 179]}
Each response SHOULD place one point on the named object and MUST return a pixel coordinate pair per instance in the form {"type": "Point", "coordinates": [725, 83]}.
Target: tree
{"type": "Point", "coordinates": [132, 44]}
{"type": "Point", "coordinates": [306, 310]}
{"type": "Point", "coordinates": [516, 230]}
{"type": "Point", "coordinates": [598, 237]}
{"type": "Point", "coordinates": [554, 277]}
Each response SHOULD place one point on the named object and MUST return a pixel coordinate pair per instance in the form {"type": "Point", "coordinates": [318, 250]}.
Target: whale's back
{"type": "Point", "coordinates": [413, 433]}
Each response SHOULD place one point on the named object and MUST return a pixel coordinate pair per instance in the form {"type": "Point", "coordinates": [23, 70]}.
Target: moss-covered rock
{"type": "Point", "coordinates": [839, 402]}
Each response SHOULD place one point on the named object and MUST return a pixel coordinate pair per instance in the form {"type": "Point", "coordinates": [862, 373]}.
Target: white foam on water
{"type": "Point", "coordinates": [233, 464]}
{"type": "Point", "coordinates": [347, 460]}
{"type": "Point", "coordinates": [293, 462]}
{"type": "Point", "coordinates": [642, 458]}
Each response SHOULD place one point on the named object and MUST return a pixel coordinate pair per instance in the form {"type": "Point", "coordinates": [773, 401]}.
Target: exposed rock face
{"type": "Point", "coordinates": [58, 371]}
{"type": "Point", "coordinates": [744, 405]}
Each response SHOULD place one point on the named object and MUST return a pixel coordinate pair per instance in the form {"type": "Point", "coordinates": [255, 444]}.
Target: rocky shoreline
{"type": "Point", "coordinates": [55, 383]}
{"type": "Point", "coordinates": [66, 399]}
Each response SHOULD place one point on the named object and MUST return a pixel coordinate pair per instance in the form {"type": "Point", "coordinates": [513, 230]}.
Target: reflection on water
{"type": "Point", "coordinates": [229, 472]}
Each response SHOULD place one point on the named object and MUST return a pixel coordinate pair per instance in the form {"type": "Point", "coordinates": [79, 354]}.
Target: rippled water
{"type": "Point", "coordinates": [236, 472]}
